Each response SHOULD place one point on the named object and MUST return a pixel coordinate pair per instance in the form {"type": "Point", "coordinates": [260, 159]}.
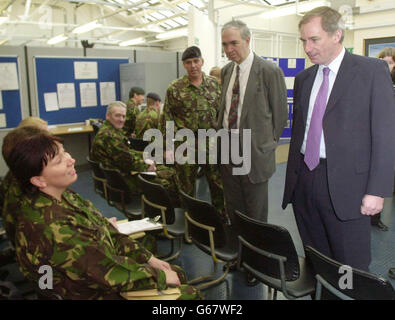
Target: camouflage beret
{"type": "Point", "coordinates": [154, 96]}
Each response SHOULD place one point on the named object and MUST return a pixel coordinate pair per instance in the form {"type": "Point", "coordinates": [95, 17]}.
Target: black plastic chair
{"type": "Point", "coordinates": [96, 125]}
{"type": "Point", "coordinates": [156, 201]}
{"type": "Point", "coordinates": [268, 253]}
{"type": "Point", "coordinates": [120, 195]}
{"type": "Point", "coordinates": [211, 235]}
{"type": "Point", "coordinates": [363, 286]}
{"type": "Point", "coordinates": [138, 144]}
{"type": "Point", "coordinates": [99, 180]}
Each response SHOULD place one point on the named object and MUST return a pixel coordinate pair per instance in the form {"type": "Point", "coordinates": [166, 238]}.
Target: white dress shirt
{"type": "Point", "coordinates": [333, 71]}
{"type": "Point", "coordinates": [245, 68]}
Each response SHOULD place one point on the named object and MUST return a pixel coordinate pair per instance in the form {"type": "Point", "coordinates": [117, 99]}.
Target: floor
{"type": "Point", "coordinates": [197, 263]}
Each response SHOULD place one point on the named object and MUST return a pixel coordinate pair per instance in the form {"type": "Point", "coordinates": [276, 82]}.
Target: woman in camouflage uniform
{"type": "Point", "coordinates": [56, 227]}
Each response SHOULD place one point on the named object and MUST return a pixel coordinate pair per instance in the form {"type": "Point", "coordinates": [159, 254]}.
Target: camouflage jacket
{"type": "Point", "coordinates": [111, 148]}
{"type": "Point", "coordinates": [131, 113]}
{"type": "Point", "coordinates": [89, 258]}
{"type": "Point", "coordinates": [147, 119]}
{"type": "Point", "coordinates": [191, 107]}
{"type": "Point", "coordinates": [11, 193]}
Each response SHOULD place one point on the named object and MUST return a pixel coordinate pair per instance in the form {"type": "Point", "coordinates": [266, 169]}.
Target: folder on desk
{"type": "Point", "coordinates": [153, 294]}
{"type": "Point", "coordinates": [138, 226]}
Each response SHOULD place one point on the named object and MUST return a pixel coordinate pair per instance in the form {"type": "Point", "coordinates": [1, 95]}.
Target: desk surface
{"type": "Point", "coordinates": [71, 129]}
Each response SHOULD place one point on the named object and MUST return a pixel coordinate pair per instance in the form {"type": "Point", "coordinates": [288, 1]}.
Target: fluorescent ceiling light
{"type": "Point", "coordinates": [3, 41]}
{"type": "Point", "coordinates": [57, 39]}
{"type": "Point", "coordinates": [291, 9]}
{"type": "Point", "coordinates": [3, 19]}
{"type": "Point", "coordinates": [173, 34]}
{"type": "Point", "coordinates": [132, 42]}
{"type": "Point", "coordinates": [87, 27]}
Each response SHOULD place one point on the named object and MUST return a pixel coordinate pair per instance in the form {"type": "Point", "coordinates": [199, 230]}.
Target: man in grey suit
{"type": "Point", "coordinates": [341, 157]}
{"type": "Point", "coordinates": [254, 97]}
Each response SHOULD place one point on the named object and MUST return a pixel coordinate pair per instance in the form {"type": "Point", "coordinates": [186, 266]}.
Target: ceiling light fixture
{"type": "Point", "coordinates": [291, 9]}
{"type": "Point", "coordinates": [173, 34]}
{"type": "Point", "coordinates": [87, 27]}
{"type": "Point", "coordinates": [3, 19]}
{"type": "Point", "coordinates": [57, 39]}
{"type": "Point", "coordinates": [132, 42]}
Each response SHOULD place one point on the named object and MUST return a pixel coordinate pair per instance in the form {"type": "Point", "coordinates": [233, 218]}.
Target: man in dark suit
{"type": "Point", "coordinates": [341, 157]}
{"type": "Point", "coordinates": [254, 97]}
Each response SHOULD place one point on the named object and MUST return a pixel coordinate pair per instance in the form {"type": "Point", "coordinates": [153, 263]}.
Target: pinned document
{"type": "Point", "coordinates": [3, 121]}
{"type": "Point", "coordinates": [51, 101]}
{"type": "Point", "coordinates": [66, 95]}
{"type": "Point", "coordinates": [107, 93]}
{"type": "Point", "coordinates": [88, 94]}
{"type": "Point", "coordinates": [85, 70]}
{"type": "Point", "coordinates": [9, 76]}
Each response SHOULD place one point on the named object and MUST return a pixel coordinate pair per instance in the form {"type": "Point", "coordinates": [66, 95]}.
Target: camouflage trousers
{"type": "Point", "coordinates": [186, 180]}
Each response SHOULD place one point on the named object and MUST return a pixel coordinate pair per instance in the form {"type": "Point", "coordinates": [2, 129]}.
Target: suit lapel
{"type": "Point", "coordinates": [225, 85]}
{"type": "Point", "coordinates": [306, 91]}
{"type": "Point", "coordinates": [343, 79]}
{"type": "Point", "coordinates": [251, 90]}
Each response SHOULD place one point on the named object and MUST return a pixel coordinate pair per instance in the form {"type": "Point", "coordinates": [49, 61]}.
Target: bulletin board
{"type": "Point", "coordinates": [290, 67]}
{"type": "Point", "coordinates": [10, 93]}
{"type": "Point", "coordinates": [58, 75]}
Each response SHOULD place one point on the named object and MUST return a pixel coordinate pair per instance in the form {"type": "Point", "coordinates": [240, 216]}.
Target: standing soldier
{"type": "Point", "coordinates": [192, 102]}
{"type": "Point", "coordinates": [149, 117]}
{"type": "Point", "coordinates": [136, 97]}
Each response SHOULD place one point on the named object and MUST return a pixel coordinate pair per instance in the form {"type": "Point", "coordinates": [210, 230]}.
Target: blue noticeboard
{"type": "Point", "coordinates": [12, 106]}
{"type": "Point", "coordinates": [53, 70]}
{"type": "Point", "coordinates": [290, 67]}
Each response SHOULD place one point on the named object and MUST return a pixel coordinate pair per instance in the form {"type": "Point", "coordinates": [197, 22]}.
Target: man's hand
{"type": "Point", "coordinates": [158, 264]}
{"type": "Point", "coordinates": [371, 205]}
{"type": "Point", "coordinates": [151, 163]}
{"type": "Point", "coordinates": [169, 156]}
{"type": "Point", "coordinates": [172, 278]}
{"type": "Point", "coordinates": [113, 222]}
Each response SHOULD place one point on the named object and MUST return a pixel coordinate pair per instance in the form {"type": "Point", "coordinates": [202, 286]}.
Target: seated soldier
{"type": "Point", "coordinates": [56, 227]}
{"type": "Point", "coordinates": [111, 148]}
{"type": "Point", "coordinates": [136, 98]}
{"type": "Point", "coordinates": [149, 117]}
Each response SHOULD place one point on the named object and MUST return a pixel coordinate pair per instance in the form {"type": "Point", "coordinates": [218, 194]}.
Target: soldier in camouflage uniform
{"type": "Point", "coordinates": [192, 102]}
{"type": "Point", "coordinates": [149, 117]}
{"type": "Point", "coordinates": [56, 227]}
{"type": "Point", "coordinates": [136, 97]}
{"type": "Point", "coordinates": [111, 148]}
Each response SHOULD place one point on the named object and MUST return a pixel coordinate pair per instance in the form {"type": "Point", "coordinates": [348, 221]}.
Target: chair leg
{"type": "Point", "coordinates": [169, 257]}
{"type": "Point", "coordinates": [205, 285]}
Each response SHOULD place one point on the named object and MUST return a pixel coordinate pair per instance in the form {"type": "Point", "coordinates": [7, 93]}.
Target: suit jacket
{"type": "Point", "coordinates": [264, 111]}
{"type": "Point", "coordinates": [359, 128]}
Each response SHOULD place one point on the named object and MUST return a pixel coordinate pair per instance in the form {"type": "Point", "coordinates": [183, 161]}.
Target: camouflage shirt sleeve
{"type": "Point", "coordinates": [131, 113]}
{"type": "Point", "coordinates": [110, 148]}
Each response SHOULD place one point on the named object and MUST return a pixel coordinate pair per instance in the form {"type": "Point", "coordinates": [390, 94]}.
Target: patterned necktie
{"type": "Point", "coordinates": [312, 153]}
{"type": "Point", "coordinates": [232, 117]}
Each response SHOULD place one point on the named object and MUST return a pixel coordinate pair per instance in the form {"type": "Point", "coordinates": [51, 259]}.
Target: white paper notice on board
{"type": "Point", "coordinates": [66, 95]}
{"type": "Point", "coordinates": [107, 93]}
{"type": "Point", "coordinates": [291, 63]}
{"type": "Point", "coordinates": [9, 76]}
{"type": "Point", "coordinates": [3, 122]}
{"type": "Point", "coordinates": [88, 94]}
{"type": "Point", "coordinates": [85, 70]}
{"type": "Point", "coordinates": [51, 101]}
{"type": "Point", "coordinates": [1, 100]}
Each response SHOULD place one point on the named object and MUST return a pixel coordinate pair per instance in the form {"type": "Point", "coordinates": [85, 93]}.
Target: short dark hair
{"type": "Point", "coordinates": [29, 157]}
{"type": "Point", "coordinates": [393, 75]}
{"type": "Point", "coordinates": [135, 90]}
{"type": "Point", "coordinates": [191, 52]}
{"type": "Point", "coordinates": [16, 135]}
